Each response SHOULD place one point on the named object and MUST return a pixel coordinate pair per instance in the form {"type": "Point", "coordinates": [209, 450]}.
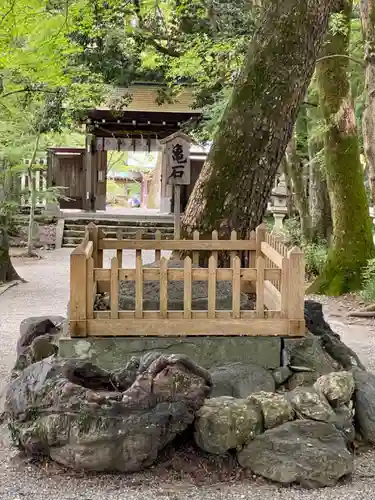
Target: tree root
{"type": "Point", "coordinates": [362, 314]}
{"type": "Point", "coordinates": [366, 312]}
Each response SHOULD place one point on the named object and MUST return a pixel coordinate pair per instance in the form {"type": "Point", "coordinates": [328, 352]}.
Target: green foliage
{"type": "Point", "coordinates": [368, 288]}
{"type": "Point", "coordinates": [315, 257]}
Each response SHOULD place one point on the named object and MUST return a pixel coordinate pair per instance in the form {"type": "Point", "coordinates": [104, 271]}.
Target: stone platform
{"type": "Point", "coordinates": [113, 352]}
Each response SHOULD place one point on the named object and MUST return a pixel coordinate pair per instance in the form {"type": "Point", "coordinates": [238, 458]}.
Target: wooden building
{"type": "Point", "coordinates": [140, 126]}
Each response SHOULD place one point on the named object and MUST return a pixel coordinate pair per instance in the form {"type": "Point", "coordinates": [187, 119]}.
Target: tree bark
{"type": "Point", "coordinates": [352, 243]}
{"type": "Point", "coordinates": [235, 183]}
{"type": "Point", "coordinates": [296, 174]}
{"type": "Point", "coordinates": [319, 204]}
{"type": "Point", "coordinates": [367, 9]}
{"type": "Point", "coordinates": [7, 271]}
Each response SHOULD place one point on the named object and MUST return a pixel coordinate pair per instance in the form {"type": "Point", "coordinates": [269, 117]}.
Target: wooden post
{"type": "Point", "coordinates": [233, 237]}
{"type": "Point", "coordinates": [260, 288]}
{"type": "Point", "coordinates": [93, 236]}
{"type": "Point", "coordinates": [261, 232]}
{"type": "Point", "coordinates": [177, 211]}
{"type": "Point", "coordinates": [284, 287]}
{"type": "Point", "coordinates": [296, 291]}
{"type": "Point", "coordinates": [196, 253]}
{"type": "Point", "coordinates": [158, 252]}
{"type": "Point", "coordinates": [212, 266]}
{"type": "Point", "coordinates": [90, 297]}
{"type": "Point", "coordinates": [163, 288]}
{"type": "Point", "coordinates": [78, 284]}
{"type": "Point", "coordinates": [99, 253]}
{"type": "Point", "coordinates": [236, 287]}
{"type": "Point", "coordinates": [138, 236]}
{"type": "Point", "coordinates": [119, 236]}
{"type": "Point", "coordinates": [138, 286]}
{"type": "Point", "coordinates": [114, 288]}
{"type": "Point", "coordinates": [187, 288]}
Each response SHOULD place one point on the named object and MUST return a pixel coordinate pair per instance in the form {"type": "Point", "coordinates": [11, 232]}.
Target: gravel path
{"type": "Point", "coordinates": [46, 292]}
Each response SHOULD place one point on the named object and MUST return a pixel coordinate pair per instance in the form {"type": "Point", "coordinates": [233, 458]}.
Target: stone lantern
{"type": "Point", "coordinates": [278, 206]}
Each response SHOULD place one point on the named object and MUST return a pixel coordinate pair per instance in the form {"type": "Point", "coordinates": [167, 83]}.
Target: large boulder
{"type": "Point", "coordinates": [276, 408]}
{"type": "Point", "coordinates": [239, 380]}
{"type": "Point", "coordinates": [338, 388]}
{"type": "Point", "coordinates": [312, 454]}
{"type": "Point", "coordinates": [364, 403]}
{"type": "Point", "coordinates": [85, 418]}
{"type": "Point", "coordinates": [227, 423]}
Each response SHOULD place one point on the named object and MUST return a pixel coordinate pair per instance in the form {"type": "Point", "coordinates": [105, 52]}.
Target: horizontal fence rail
{"type": "Point", "coordinates": [272, 272]}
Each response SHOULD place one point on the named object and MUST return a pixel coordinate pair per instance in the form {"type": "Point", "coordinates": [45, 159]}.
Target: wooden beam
{"type": "Point", "coordinates": [204, 245]}
{"type": "Point", "coordinates": [185, 327]}
{"type": "Point", "coordinates": [272, 296]}
{"type": "Point", "coordinates": [178, 274]}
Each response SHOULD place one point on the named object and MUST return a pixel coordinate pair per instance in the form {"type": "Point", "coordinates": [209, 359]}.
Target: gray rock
{"type": "Point", "coordinates": [240, 380]}
{"type": "Point", "coordinates": [344, 421]}
{"type": "Point", "coordinates": [364, 403]}
{"type": "Point", "coordinates": [301, 379]}
{"type": "Point", "coordinates": [337, 387]}
{"type": "Point", "coordinates": [37, 326]}
{"type": "Point", "coordinates": [38, 340]}
{"type": "Point", "coordinates": [310, 404]}
{"type": "Point", "coordinates": [282, 374]}
{"type": "Point", "coordinates": [226, 423]}
{"type": "Point", "coordinates": [151, 293]}
{"type": "Point", "coordinates": [276, 408]}
{"type": "Point", "coordinates": [312, 454]}
{"type": "Point", "coordinates": [308, 352]}
{"type": "Point", "coordinates": [85, 418]}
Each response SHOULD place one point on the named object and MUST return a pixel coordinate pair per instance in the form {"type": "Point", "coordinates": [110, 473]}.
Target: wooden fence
{"type": "Point", "coordinates": [273, 272]}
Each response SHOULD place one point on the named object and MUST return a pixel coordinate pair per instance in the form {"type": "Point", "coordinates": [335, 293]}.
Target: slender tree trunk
{"type": "Point", "coordinates": [367, 8]}
{"type": "Point", "coordinates": [319, 204]}
{"type": "Point", "coordinates": [32, 198]}
{"type": "Point", "coordinates": [235, 183]}
{"type": "Point", "coordinates": [296, 174]}
{"type": "Point", "coordinates": [352, 243]}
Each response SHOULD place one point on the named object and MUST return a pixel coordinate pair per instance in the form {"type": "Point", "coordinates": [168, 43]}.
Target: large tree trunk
{"type": "Point", "coordinates": [352, 243]}
{"type": "Point", "coordinates": [367, 8]}
{"type": "Point", "coordinates": [296, 174]}
{"type": "Point", "coordinates": [235, 183]}
{"type": "Point", "coordinates": [319, 204]}
{"type": "Point", "coordinates": [7, 271]}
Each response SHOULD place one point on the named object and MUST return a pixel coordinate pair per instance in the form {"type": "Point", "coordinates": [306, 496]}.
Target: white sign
{"type": "Point", "coordinates": [177, 153]}
{"type": "Point", "coordinates": [145, 145]}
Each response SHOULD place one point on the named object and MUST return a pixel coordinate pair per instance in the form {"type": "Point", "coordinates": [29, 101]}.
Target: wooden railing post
{"type": "Point", "coordinates": [119, 236]}
{"type": "Point", "coordinates": [78, 293]}
{"type": "Point", "coordinates": [93, 236]}
{"type": "Point", "coordinates": [99, 253]}
{"type": "Point", "coordinates": [260, 237]}
{"type": "Point", "coordinates": [296, 291]}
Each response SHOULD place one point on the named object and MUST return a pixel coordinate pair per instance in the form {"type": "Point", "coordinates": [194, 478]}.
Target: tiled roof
{"type": "Point", "coordinates": [144, 98]}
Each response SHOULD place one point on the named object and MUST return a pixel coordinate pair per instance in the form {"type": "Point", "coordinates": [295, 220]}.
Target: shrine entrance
{"type": "Point", "coordinates": [141, 127]}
